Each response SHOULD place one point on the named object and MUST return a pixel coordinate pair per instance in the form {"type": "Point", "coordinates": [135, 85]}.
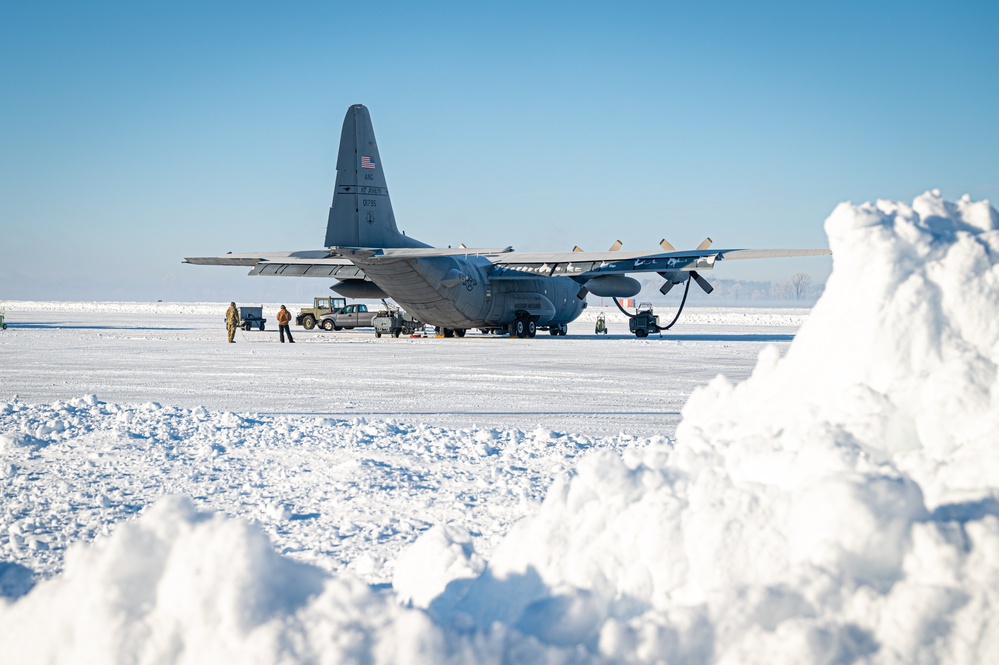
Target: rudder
{"type": "Point", "coordinates": [361, 212]}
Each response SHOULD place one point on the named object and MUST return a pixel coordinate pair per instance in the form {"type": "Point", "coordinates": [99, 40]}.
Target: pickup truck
{"type": "Point", "coordinates": [307, 316]}
{"type": "Point", "coordinates": [351, 316]}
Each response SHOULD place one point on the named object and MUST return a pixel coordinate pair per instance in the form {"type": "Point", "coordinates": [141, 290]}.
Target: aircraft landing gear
{"type": "Point", "coordinates": [524, 326]}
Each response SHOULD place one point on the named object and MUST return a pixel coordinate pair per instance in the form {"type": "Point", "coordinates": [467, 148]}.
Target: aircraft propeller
{"type": "Point", "coordinates": [613, 248]}
{"type": "Point", "coordinates": [673, 278]}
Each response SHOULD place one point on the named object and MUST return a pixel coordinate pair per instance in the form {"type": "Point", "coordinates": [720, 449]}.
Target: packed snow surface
{"type": "Point", "coordinates": [839, 504]}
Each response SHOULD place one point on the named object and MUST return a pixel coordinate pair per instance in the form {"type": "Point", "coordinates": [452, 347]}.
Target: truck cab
{"type": "Point", "coordinates": [307, 317]}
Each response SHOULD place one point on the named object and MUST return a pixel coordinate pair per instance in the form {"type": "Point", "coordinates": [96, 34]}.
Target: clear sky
{"type": "Point", "coordinates": [134, 134]}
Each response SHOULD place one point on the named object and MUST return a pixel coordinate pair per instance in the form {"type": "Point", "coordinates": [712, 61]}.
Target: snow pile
{"type": "Point", "coordinates": [180, 586]}
{"type": "Point", "coordinates": [344, 494]}
{"type": "Point", "coordinates": [838, 506]}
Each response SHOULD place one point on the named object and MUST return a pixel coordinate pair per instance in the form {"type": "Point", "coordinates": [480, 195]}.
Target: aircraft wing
{"type": "Point", "coordinates": [592, 264]}
{"type": "Point", "coordinates": [309, 263]}
{"type": "Point", "coordinates": [334, 262]}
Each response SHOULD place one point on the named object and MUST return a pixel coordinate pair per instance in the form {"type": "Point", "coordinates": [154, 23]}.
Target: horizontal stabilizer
{"type": "Point", "coordinates": [222, 261]}
{"type": "Point", "coordinates": [308, 256]}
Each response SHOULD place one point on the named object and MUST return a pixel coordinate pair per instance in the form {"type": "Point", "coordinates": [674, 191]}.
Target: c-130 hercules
{"type": "Point", "coordinates": [462, 288]}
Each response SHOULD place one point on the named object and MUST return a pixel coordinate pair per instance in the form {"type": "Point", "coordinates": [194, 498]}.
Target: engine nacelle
{"type": "Point", "coordinates": [614, 286]}
{"type": "Point", "coordinates": [359, 288]}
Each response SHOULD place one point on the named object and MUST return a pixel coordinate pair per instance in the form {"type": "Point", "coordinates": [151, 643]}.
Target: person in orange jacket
{"type": "Point", "coordinates": [284, 318]}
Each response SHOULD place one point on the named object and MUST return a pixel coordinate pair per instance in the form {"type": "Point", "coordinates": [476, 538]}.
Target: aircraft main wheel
{"type": "Point", "coordinates": [327, 325]}
{"type": "Point", "coordinates": [520, 328]}
{"type": "Point", "coordinates": [553, 331]}
{"type": "Point", "coordinates": [449, 332]}
{"type": "Point", "coordinates": [309, 322]}
{"type": "Point", "coordinates": [460, 332]}
{"type": "Point", "coordinates": [532, 329]}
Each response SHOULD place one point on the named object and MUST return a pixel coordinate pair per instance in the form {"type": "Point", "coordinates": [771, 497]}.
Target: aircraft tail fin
{"type": "Point", "coordinates": [361, 213]}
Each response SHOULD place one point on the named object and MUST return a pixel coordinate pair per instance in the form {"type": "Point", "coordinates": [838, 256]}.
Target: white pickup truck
{"type": "Point", "coordinates": [350, 316]}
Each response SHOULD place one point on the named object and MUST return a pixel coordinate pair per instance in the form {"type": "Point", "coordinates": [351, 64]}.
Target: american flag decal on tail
{"type": "Point", "coordinates": [366, 162]}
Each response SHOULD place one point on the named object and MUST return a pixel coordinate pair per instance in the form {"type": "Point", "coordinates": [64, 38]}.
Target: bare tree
{"type": "Point", "coordinates": [781, 290]}
{"type": "Point", "coordinates": [800, 283]}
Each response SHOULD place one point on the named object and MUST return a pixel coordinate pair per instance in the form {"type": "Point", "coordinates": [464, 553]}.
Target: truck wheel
{"type": "Point", "coordinates": [641, 333]}
{"type": "Point", "coordinates": [378, 334]}
{"type": "Point", "coordinates": [308, 322]}
{"type": "Point", "coordinates": [396, 333]}
{"type": "Point", "coordinates": [328, 325]}
{"type": "Point", "coordinates": [261, 325]}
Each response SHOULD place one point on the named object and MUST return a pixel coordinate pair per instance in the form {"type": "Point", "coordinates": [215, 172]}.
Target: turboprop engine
{"type": "Point", "coordinates": [359, 288]}
{"type": "Point", "coordinates": [614, 286]}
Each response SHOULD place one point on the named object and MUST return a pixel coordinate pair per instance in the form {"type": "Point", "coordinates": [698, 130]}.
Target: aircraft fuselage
{"type": "Point", "coordinates": [472, 292]}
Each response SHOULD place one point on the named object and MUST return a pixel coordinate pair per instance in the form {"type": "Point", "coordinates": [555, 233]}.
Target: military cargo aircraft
{"type": "Point", "coordinates": [456, 289]}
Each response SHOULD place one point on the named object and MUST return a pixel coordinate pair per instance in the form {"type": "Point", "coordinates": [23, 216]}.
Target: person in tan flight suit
{"type": "Point", "coordinates": [231, 321]}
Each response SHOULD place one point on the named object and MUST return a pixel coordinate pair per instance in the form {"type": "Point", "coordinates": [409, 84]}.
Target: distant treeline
{"type": "Point", "coordinates": [797, 290]}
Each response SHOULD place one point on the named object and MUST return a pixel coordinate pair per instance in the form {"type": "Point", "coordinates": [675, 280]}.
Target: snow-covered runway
{"type": "Point", "coordinates": [342, 447]}
{"type": "Point", "coordinates": [176, 354]}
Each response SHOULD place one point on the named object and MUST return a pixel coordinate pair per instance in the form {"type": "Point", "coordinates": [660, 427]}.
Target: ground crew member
{"type": "Point", "coordinates": [231, 321]}
{"type": "Point", "coordinates": [284, 317]}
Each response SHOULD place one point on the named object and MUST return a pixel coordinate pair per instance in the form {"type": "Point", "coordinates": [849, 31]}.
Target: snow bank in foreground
{"type": "Point", "coordinates": [180, 586]}
{"type": "Point", "coordinates": [839, 506]}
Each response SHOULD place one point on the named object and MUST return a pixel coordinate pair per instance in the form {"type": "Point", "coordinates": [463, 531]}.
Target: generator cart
{"type": "Point", "coordinates": [395, 323]}
{"type": "Point", "coordinates": [251, 317]}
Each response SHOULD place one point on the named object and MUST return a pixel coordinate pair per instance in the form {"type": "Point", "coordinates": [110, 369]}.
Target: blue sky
{"type": "Point", "coordinates": [134, 134]}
